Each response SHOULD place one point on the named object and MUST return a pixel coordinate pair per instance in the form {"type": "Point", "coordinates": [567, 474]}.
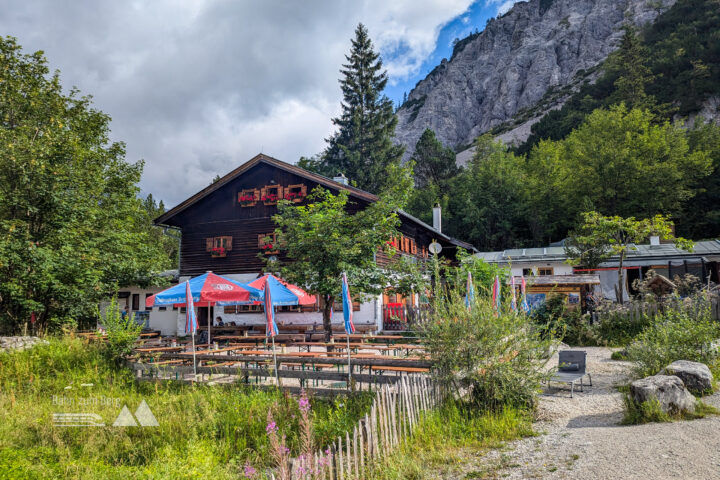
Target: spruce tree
{"type": "Point", "coordinates": [434, 163]}
{"type": "Point", "coordinates": [630, 63]}
{"type": "Point", "coordinates": [362, 148]}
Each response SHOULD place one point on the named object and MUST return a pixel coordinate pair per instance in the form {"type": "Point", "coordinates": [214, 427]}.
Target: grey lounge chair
{"type": "Point", "coordinates": [571, 369]}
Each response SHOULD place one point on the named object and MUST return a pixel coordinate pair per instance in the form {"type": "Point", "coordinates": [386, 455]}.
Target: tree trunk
{"type": "Point", "coordinates": [621, 285]}
{"type": "Point", "coordinates": [327, 321]}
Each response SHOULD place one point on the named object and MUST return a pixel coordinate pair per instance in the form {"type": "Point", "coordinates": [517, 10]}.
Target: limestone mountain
{"type": "Point", "coordinates": [527, 62]}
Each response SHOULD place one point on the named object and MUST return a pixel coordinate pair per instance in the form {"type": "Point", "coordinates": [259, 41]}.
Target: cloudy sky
{"type": "Point", "coordinates": [197, 87]}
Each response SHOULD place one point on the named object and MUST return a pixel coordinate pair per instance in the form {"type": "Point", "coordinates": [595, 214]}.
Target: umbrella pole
{"type": "Point", "coordinates": [194, 362]}
{"type": "Point", "coordinates": [277, 376]}
{"type": "Point", "coordinates": [210, 314]}
{"type": "Point", "coordinates": [347, 337]}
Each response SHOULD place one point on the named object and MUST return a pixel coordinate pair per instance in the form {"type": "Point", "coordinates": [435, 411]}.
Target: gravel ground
{"type": "Point", "coordinates": [581, 438]}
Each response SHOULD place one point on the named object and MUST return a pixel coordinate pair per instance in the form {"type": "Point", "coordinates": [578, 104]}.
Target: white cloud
{"type": "Point", "coordinates": [197, 87]}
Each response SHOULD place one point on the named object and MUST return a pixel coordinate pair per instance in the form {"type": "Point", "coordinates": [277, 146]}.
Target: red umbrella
{"type": "Point", "coordinates": [283, 293]}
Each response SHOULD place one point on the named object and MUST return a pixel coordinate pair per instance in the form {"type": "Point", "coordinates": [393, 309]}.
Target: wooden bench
{"type": "Point", "coordinates": [400, 369]}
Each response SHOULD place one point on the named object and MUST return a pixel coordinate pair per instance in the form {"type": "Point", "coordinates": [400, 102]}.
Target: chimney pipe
{"type": "Point", "coordinates": [437, 217]}
{"type": "Point", "coordinates": [342, 179]}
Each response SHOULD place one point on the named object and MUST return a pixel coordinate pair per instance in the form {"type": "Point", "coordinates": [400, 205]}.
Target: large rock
{"type": "Point", "coordinates": [513, 63]}
{"type": "Point", "coordinates": [669, 390]}
{"type": "Point", "coordinates": [695, 375]}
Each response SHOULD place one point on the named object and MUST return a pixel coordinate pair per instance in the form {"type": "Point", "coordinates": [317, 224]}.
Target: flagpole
{"type": "Point", "coordinates": [347, 336]}
{"type": "Point", "coordinates": [277, 375]}
{"type": "Point", "coordinates": [194, 361]}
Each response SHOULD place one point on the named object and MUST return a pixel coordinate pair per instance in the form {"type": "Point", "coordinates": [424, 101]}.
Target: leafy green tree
{"type": "Point", "coordinates": [362, 148]}
{"type": "Point", "coordinates": [71, 225]}
{"type": "Point", "coordinates": [327, 237]}
{"type": "Point", "coordinates": [168, 238]}
{"type": "Point", "coordinates": [600, 237]}
{"type": "Point", "coordinates": [620, 162]}
{"type": "Point", "coordinates": [489, 198]}
{"type": "Point", "coordinates": [434, 163]}
{"type": "Point", "coordinates": [700, 218]}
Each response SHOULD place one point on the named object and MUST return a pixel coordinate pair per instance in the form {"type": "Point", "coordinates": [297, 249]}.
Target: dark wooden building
{"type": "Point", "coordinates": [226, 225]}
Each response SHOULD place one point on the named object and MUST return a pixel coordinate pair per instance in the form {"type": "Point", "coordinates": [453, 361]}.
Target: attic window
{"type": "Point", "coordinates": [270, 194]}
{"type": "Point", "coordinates": [295, 193]}
{"type": "Point", "coordinates": [248, 197]}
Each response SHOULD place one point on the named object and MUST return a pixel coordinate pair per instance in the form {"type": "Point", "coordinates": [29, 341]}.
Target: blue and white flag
{"type": "Point", "coordinates": [191, 324]}
{"type": "Point", "coordinates": [347, 306]}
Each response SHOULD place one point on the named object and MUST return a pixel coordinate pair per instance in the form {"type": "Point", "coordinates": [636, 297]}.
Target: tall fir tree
{"type": "Point", "coordinates": [362, 148]}
{"type": "Point", "coordinates": [434, 163]}
{"type": "Point", "coordinates": [630, 63]}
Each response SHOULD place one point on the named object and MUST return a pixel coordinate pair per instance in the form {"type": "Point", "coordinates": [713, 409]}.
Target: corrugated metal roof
{"type": "Point", "coordinates": [585, 279]}
{"type": "Point", "coordinates": [710, 249]}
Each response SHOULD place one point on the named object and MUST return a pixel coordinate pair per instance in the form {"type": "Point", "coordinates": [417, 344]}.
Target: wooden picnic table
{"type": "Point", "coordinates": [159, 349]}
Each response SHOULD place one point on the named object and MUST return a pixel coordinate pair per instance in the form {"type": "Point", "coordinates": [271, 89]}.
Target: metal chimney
{"type": "Point", "coordinates": [654, 240]}
{"type": "Point", "coordinates": [437, 217]}
{"type": "Point", "coordinates": [340, 178]}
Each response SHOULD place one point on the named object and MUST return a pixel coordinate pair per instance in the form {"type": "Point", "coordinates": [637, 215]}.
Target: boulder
{"type": "Point", "coordinates": [695, 375]}
{"type": "Point", "coordinates": [669, 390]}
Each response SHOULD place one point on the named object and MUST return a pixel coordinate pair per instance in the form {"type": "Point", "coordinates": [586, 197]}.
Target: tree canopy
{"type": "Point", "coordinates": [362, 148]}
{"type": "Point", "coordinates": [327, 237]}
{"type": "Point", "coordinates": [72, 227]}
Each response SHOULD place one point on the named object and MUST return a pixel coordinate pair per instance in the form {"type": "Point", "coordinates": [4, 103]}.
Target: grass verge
{"type": "Point", "coordinates": [650, 411]}
{"type": "Point", "coordinates": [204, 431]}
{"type": "Point", "coordinates": [442, 436]}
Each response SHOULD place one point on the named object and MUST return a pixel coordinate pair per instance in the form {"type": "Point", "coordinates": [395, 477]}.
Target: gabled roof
{"type": "Point", "coordinates": [257, 159]}
{"type": "Point", "coordinates": [301, 172]}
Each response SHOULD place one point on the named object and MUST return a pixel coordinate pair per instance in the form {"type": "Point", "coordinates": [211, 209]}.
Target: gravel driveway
{"type": "Point", "coordinates": [581, 438]}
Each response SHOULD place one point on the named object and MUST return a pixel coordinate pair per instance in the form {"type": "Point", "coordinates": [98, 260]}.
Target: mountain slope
{"type": "Point", "coordinates": [510, 66]}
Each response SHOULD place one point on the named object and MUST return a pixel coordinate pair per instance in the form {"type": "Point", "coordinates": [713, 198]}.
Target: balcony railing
{"type": "Point", "coordinates": [401, 317]}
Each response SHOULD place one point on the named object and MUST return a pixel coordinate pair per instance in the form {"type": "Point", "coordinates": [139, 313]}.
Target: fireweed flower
{"type": "Point", "coordinates": [304, 403]}
{"type": "Point", "coordinates": [249, 471]}
{"type": "Point", "coordinates": [271, 428]}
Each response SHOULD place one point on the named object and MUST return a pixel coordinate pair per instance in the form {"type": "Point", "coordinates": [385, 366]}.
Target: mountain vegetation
{"type": "Point", "coordinates": [672, 66]}
{"type": "Point", "coordinates": [72, 227]}
{"type": "Point", "coordinates": [617, 147]}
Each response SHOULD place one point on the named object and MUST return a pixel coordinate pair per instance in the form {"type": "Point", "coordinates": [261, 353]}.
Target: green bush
{"type": "Point", "coordinates": [617, 327]}
{"type": "Point", "coordinates": [493, 360]}
{"type": "Point", "coordinates": [676, 334]}
{"type": "Point", "coordinates": [121, 332]}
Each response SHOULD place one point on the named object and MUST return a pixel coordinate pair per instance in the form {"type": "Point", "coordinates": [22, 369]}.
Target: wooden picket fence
{"type": "Point", "coordinates": [394, 414]}
{"type": "Point", "coordinates": [637, 310]}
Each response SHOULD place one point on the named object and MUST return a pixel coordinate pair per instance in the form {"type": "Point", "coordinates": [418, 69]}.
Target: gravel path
{"type": "Point", "coordinates": [581, 438]}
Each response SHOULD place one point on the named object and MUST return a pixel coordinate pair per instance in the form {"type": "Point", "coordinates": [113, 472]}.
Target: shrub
{"type": "Point", "coordinates": [616, 325]}
{"type": "Point", "coordinates": [122, 332]}
{"type": "Point", "coordinates": [494, 360]}
{"type": "Point", "coordinates": [676, 334]}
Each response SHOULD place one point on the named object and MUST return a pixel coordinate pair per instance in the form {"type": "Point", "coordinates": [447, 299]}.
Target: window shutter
{"type": "Point", "coordinates": [227, 243]}
{"type": "Point", "coordinates": [261, 240]}
{"type": "Point", "coordinates": [209, 244]}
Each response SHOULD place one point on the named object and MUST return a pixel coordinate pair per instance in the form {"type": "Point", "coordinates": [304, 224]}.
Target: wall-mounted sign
{"type": "Point", "coordinates": [435, 247]}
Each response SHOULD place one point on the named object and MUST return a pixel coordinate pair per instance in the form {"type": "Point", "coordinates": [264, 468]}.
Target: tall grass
{"type": "Point", "coordinates": [204, 430]}
{"type": "Point", "coordinates": [442, 435]}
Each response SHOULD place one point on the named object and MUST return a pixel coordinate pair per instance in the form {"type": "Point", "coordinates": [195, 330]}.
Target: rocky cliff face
{"type": "Point", "coordinates": [537, 47]}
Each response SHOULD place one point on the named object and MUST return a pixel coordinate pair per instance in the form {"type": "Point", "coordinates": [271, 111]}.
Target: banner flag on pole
{"type": "Point", "coordinates": [496, 294]}
{"type": "Point", "coordinates": [523, 304]}
{"type": "Point", "coordinates": [470, 296]}
{"type": "Point", "coordinates": [191, 324]}
{"type": "Point", "coordinates": [272, 328]}
{"type": "Point", "coordinates": [513, 303]}
{"type": "Point", "coordinates": [347, 306]}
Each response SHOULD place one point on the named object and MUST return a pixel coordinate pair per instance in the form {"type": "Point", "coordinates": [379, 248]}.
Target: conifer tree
{"type": "Point", "coordinates": [434, 163]}
{"type": "Point", "coordinates": [362, 148]}
{"type": "Point", "coordinates": [630, 62]}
